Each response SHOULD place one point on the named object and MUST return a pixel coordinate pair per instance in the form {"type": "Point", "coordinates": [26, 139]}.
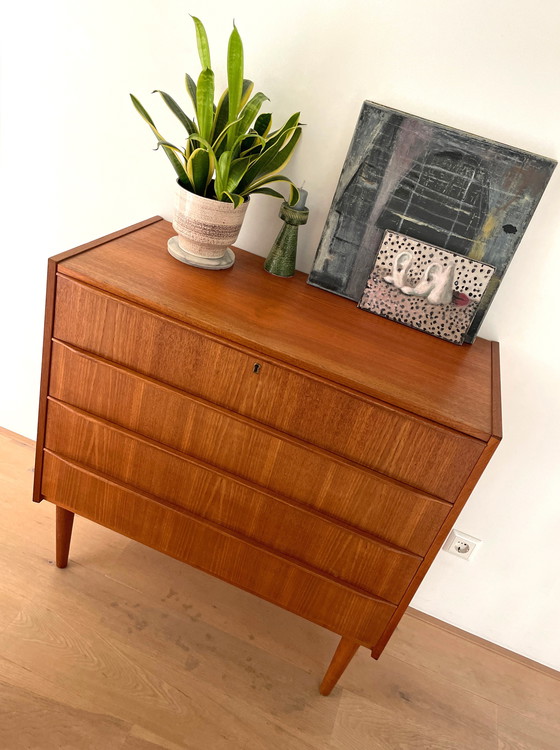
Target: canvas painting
{"type": "Point", "coordinates": [438, 185]}
{"type": "Point", "coordinates": [425, 287]}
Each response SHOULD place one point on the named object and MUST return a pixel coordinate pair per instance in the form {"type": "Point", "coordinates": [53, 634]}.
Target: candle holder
{"type": "Point", "coordinates": [281, 260]}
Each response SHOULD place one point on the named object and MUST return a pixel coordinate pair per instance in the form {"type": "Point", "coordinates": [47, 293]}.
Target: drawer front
{"type": "Point", "coordinates": [403, 447]}
{"type": "Point", "coordinates": [222, 554]}
{"type": "Point", "coordinates": [274, 522]}
{"type": "Point", "coordinates": [389, 510]}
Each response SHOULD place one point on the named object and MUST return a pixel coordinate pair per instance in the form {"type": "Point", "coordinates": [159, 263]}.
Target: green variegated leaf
{"type": "Point", "coordinates": [246, 92]}
{"type": "Point", "coordinates": [250, 145]}
{"type": "Point", "coordinates": [176, 149]}
{"type": "Point", "coordinates": [202, 43]}
{"type": "Point", "coordinates": [222, 110]}
{"type": "Point", "coordinates": [236, 171]}
{"type": "Point", "coordinates": [294, 194]}
{"type": "Point", "coordinates": [234, 198]}
{"type": "Point", "coordinates": [175, 162]}
{"type": "Point", "coordinates": [268, 191]}
{"type": "Point", "coordinates": [190, 85]}
{"type": "Point", "coordinates": [272, 160]}
{"type": "Point", "coordinates": [256, 186]}
{"type": "Point", "coordinates": [250, 111]}
{"type": "Point", "coordinates": [263, 123]}
{"type": "Point", "coordinates": [177, 111]}
{"type": "Point", "coordinates": [205, 103]}
{"type": "Point", "coordinates": [220, 115]}
{"type": "Point", "coordinates": [235, 80]}
{"type": "Point", "coordinates": [198, 170]}
{"type": "Point", "coordinates": [282, 134]}
{"type": "Point", "coordinates": [222, 172]}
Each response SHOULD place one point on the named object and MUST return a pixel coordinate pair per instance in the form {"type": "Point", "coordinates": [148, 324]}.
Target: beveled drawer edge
{"type": "Point", "coordinates": [276, 361]}
{"type": "Point", "coordinates": [255, 424]}
{"type": "Point", "coordinates": [220, 529]}
{"type": "Point", "coordinates": [50, 299]}
{"type": "Point", "coordinates": [291, 502]}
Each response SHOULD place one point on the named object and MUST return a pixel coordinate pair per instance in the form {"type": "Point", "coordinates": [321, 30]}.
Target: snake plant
{"type": "Point", "coordinates": [230, 150]}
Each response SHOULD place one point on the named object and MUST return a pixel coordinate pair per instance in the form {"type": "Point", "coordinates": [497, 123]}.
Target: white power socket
{"type": "Point", "coordinates": [461, 544]}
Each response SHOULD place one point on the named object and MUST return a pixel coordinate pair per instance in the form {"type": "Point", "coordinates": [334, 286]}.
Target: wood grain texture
{"type": "Point", "coordinates": [450, 384]}
{"type": "Point", "coordinates": [403, 447]}
{"type": "Point", "coordinates": [64, 524]}
{"type": "Point", "coordinates": [48, 329]}
{"type": "Point", "coordinates": [276, 522]}
{"type": "Point", "coordinates": [369, 501]}
{"type": "Point", "coordinates": [224, 554]}
{"type": "Point", "coordinates": [343, 655]}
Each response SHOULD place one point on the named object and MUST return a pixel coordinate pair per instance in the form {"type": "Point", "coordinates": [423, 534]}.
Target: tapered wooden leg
{"type": "Point", "coordinates": [341, 659]}
{"type": "Point", "coordinates": [64, 522]}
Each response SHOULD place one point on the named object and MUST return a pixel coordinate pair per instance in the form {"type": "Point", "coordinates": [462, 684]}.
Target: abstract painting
{"type": "Point", "coordinates": [425, 287]}
{"type": "Point", "coordinates": [435, 184]}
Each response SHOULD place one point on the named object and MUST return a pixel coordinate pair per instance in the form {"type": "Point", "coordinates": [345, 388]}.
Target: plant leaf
{"type": "Point", "coordinates": [202, 43]}
{"type": "Point", "coordinates": [190, 85]}
{"type": "Point", "coordinates": [236, 199]}
{"type": "Point", "coordinates": [222, 110]}
{"type": "Point", "coordinates": [271, 160]}
{"type": "Point", "coordinates": [251, 144]}
{"type": "Point", "coordinates": [283, 132]}
{"type": "Point", "coordinates": [250, 111]}
{"type": "Point", "coordinates": [177, 111]}
{"type": "Point", "coordinates": [259, 184]}
{"type": "Point", "coordinates": [205, 103]}
{"type": "Point", "coordinates": [175, 162]}
{"type": "Point", "coordinates": [294, 195]}
{"type": "Point", "coordinates": [263, 123]}
{"type": "Point", "coordinates": [246, 92]}
{"type": "Point", "coordinates": [199, 170]}
{"type": "Point", "coordinates": [222, 172]}
{"type": "Point", "coordinates": [268, 191]}
{"type": "Point", "coordinates": [235, 80]}
{"type": "Point", "coordinates": [236, 171]}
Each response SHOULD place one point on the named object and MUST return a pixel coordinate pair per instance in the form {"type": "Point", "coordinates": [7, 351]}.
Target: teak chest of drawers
{"type": "Point", "coordinates": [262, 430]}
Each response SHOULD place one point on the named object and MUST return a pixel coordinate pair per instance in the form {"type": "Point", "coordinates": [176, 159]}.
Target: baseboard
{"type": "Point", "coordinates": [525, 661]}
{"type": "Point", "coordinates": [16, 438]}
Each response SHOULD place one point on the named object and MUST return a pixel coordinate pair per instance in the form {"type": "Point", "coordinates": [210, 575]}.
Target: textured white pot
{"type": "Point", "coordinates": [206, 227]}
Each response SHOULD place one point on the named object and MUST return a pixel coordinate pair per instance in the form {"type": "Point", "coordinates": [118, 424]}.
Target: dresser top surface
{"type": "Point", "coordinates": [456, 386]}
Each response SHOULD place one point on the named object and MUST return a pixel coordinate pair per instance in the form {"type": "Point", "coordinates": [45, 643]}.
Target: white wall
{"type": "Point", "coordinates": [76, 164]}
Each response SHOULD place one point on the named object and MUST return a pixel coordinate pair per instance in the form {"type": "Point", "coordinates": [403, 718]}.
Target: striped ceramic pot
{"type": "Point", "coordinates": [206, 227]}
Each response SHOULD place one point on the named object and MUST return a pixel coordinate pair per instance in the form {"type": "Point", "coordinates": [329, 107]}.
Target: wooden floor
{"type": "Point", "coordinates": [129, 650]}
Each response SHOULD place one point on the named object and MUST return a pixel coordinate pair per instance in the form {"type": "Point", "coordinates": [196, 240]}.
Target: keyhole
{"type": "Point", "coordinates": [256, 368]}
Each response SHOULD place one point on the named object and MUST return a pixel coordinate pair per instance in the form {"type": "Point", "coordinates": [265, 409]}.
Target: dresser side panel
{"type": "Point", "coordinates": [438, 542]}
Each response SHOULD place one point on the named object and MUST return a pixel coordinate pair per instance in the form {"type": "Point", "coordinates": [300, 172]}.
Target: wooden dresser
{"type": "Point", "coordinates": [262, 430]}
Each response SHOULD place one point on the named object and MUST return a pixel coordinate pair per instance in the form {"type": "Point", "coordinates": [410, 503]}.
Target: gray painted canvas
{"type": "Point", "coordinates": [434, 183]}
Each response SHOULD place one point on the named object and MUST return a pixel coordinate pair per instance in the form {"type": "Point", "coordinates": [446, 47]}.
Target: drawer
{"type": "Point", "coordinates": [275, 522]}
{"type": "Point", "coordinates": [406, 448]}
{"type": "Point", "coordinates": [385, 508]}
{"type": "Point", "coordinates": [223, 554]}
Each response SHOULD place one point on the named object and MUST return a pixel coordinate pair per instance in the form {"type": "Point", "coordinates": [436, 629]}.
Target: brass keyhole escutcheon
{"type": "Point", "coordinates": [256, 368]}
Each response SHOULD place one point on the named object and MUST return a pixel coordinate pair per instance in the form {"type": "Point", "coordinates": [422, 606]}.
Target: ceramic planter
{"type": "Point", "coordinates": [206, 227]}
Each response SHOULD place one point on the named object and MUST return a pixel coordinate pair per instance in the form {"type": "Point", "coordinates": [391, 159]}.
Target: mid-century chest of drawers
{"type": "Point", "coordinates": [257, 428]}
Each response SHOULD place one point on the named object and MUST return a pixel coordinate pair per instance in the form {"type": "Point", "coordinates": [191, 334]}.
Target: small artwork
{"type": "Point", "coordinates": [425, 287]}
{"type": "Point", "coordinates": [438, 185]}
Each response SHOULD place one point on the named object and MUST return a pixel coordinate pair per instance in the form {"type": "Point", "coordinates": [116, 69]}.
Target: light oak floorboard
{"type": "Point", "coordinates": [131, 650]}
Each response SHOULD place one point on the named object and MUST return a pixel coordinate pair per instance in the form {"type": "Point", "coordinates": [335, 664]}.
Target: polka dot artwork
{"type": "Point", "coordinates": [425, 287]}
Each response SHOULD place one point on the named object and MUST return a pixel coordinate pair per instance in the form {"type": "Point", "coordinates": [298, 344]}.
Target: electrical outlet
{"type": "Point", "coordinates": [461, 544]}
